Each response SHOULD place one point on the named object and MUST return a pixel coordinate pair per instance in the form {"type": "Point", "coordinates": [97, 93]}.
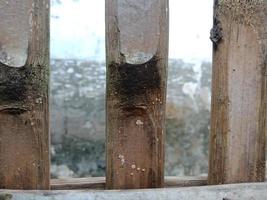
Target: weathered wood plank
{"type": "Point", "coordinates": [239, 92]}
{"type": "Point", "coordinates": [137, 48]}
{"type": "Point", "coordinates": [175, 182]}
{"type": "Point", "coordinates": [78, 183]}
{"type": "Point", "coordinates": [24, 74]}
{"type": "Point", "coordinates": [255, 191]}
{"type": "Point", "coordinates": [100, 183]}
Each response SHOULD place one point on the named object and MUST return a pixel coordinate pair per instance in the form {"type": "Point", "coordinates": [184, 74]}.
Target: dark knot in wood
{"type": "Point", "coordinates": [216, 32]}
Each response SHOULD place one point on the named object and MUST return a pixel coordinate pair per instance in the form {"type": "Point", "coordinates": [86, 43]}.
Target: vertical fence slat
{"type": "Point", "coordinates": [137, 46]}
{"type": "Point", "coordinates": [238, 119]}
{"type": "Point", "coordinates": [24, 77]}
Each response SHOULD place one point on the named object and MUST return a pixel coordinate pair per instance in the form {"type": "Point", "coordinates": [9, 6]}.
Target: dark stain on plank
{"type": "Point", "coordinates": [12, 84]}
{"type": "Point", "coordinates": [134, 81]}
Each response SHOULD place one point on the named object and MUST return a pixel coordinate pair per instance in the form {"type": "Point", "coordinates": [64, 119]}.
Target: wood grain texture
{"type": "Point", "coordinates": [238, 116]}
{"type": "Point", "coordinates": [79, 183]}
{"type": "Point", "coordinates": [137, 48]}
{"type": "Point", "coordinates": [24, 126]}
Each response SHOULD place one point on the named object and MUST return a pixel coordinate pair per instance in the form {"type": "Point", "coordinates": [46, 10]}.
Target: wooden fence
{"type": "Point", "coordinates": [137, 55]}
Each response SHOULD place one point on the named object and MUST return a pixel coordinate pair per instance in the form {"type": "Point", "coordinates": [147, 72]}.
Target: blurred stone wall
{"type": "Point", "coordinates": [78, 118]}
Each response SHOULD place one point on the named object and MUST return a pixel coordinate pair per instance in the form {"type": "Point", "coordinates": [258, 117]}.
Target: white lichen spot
{"type": "Point", "coordinates": [133, 166]}
{"type": "Point", "coordinates": [132, 174]}
{"type": "Point", "coordinates": [121, 157]}
{"type": "Point", "coordinates": [139, 122]}
{"type": "Point", "coordinates": [143, 170]}
{"type": "Point", "coordinates": [138, 168]}
{"type": "Point", "coordinates": [39, 101]}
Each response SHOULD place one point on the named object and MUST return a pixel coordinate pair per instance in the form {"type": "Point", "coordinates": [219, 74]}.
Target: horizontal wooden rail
{"type": "Point", "coordinates": [255, 191]}
{"type": "Point", "coordinates": [78, 183]}
{"type": "Point", "coordinates": [100, 182]}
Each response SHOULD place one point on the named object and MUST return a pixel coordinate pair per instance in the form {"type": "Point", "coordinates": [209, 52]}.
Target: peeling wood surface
{"type": "Point", "coordinates": [138, 23]}
{"type": "Point", "coordinates": [137, 48]}
{"type": "Point", "coordinates": [15, 29]}
{"type": "Point", "coordinates": [239, 92]}
{"type": "Point", "coordinates": [100, 183]}
{"type": "Point", "coordinates": [24, 126]}
{"type": "Point", "coordinates": [255, 191]}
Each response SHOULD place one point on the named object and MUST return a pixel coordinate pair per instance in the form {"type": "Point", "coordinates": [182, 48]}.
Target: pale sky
{"type": "Point", "coordinates": [78, 29]}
